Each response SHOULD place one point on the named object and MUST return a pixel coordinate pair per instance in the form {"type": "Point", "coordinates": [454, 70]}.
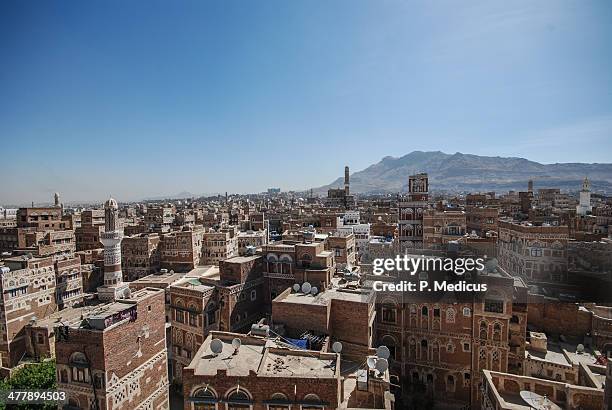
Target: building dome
{"type": "Point", "coordinates": [111, 203]}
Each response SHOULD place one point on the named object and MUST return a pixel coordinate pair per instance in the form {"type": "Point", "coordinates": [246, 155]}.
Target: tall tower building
{"type": "Point", "coordinates": [56, 199]}
{"type": "Point", "coordinates": [346, 180]}
{"type": "Point", "coordinates": [113, 287]}
{"type": "Point", "coordinates": [584, 206]}
{"type": "Point", "coordinates": [411, 209]}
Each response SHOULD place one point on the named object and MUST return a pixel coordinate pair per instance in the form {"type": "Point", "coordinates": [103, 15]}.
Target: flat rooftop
{"type": "Point", "coordinates": [193, 283]}
{"type": "Point", "coordinates": [297, 363]}
{"type": "Point", "coordinates": [553, 355]}
{"type": "Point", "coordinates": [159, 278]}
{"type": "Point", "coordinates": [204, 271]}
{"type": "Point", "coordinates": [263, 356]}
{"type": "Point", "coordinates": [242, 259]}
{"type": "Point", "coordinates": [324, 297]}
{"type": "Point", "coordinates": [68, 316]}
{"type": "Point", "coordinates": [97, 316]}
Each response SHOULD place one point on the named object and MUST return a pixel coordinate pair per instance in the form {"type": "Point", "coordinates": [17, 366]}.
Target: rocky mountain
{"type": "Point", "coordinates": [467, 172]}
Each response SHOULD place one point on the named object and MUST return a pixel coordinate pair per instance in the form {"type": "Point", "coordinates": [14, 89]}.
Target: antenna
{"type": "Point", "coordinates": [314, 291]}
{"type": "Point", "coordinates": [216, 346]}
{"type": "Point", "coordinates": [306, 287]}
{"type": "Point", "coordinates": [296, 287]}
{"type": "Point", "coordinates": [371, 362]}
{"type": "Point", "coordinates": [383, 352]}
{"type": "Point", "coordinates": [337, 347]}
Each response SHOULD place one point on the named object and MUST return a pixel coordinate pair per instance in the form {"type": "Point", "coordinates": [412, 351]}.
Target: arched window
{"type": "Point", "coordinates": [424, 350]}
{"type": "Point", "coordinates": [450, 315]}
{"type": "Point", "coordinates": [238, 399]}
{"type": "Point", "coordinates": [483, 330]}
{"type": "Point", "coordinates": [203, 399]}
{"type": "Point", "coordinates": [311, 402]}
{"type": "Point", "coordinates": [78, 358]}
{"type": "Point", "coordinates": [286, 259]}
{"type": "Point", "coordinates": [497, 329]}
{"type": "Point", "coordinates": [306, 260]}
{"type": "Point", "coordinates": [424, 311]}
{"type": "Point", "coordinates": [193, 317]}
{"type": "Point", "coordinates": [278, 401]}
{"type": "Point", "coordinates": [79, 368]}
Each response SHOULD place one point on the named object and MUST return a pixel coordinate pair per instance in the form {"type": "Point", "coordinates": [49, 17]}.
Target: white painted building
{"type": "Point", "coordinates": [584, 206]}
{"type": "Point", "coordinates": [350, 223]}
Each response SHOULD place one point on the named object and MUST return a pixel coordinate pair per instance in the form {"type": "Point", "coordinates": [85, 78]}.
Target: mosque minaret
{"type": "Point", "coordinates": [114, 287]}
{"type": "Point", "coordinates": [584, 206]}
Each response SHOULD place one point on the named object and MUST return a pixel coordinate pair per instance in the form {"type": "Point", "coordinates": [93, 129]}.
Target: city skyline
{"type": "Point", "coordinates": [165, 98]}
{"type": "Point", "coordinates": [46, 197]}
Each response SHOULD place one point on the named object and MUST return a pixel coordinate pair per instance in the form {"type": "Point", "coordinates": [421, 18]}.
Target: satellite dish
{"type": "Point", "coordinates": [236, 343]}
{"type": "Point", "coordinates": [382, 365]}
{"type": "Point", "coordinates": [538, 402]}
{"type": "Point", "coordinates": [371, 362]}
{"type": "Point", "coordinates": [296, 287]}
{"type": "Point", "coordinates": [337, 347]}
{"type": "Point", "coordinates": [306, 287]}
{"type": "Point", "coordinates": [580, 348]}
{"type": "Point", "coordinates": [216, 346]}
{"type": "Point", "coordinates": [383, 352]}
{"type": "Point", "coordinates": [314, 290]}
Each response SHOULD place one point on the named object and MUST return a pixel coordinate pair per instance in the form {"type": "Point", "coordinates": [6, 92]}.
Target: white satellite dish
{"type": "Point", "coordinates": [382, 365]}
{"type": "Point", "coordinates": [538, 402]}
{"type": "Point", "coordinates": [383, 352]}
{"type": "Point", "coordinates": [580, 348]}
{"type": "Point", "coordinates": [314, 291]}
{"type": "Point", "coordinates": [236, 343]}
{"type": "Point", "coordinates": [306, 287]}
{"type": "Point", "coordinates": [337, 347]}
{"type": "Point", "coordinates": [296, 287]}
{"type": "Point", "coordinates": [371, 362]}
{"type": "Point", "coordinates": [216, 346]}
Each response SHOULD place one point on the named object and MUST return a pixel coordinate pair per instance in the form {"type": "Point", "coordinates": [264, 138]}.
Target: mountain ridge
{"type": "Point", "coordinates": [470, 172]}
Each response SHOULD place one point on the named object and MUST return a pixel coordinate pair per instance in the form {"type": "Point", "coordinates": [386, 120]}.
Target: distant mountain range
{"type": "Point", "coordinates": [467, 172]}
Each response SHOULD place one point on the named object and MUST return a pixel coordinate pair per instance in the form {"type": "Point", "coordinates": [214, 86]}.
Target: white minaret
{"type": "Point", "coordinates": [584, 206]}
{"type": "Point", "coordinates": [113, 287]}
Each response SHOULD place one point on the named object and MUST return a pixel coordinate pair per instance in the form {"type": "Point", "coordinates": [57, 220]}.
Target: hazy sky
{"type": "Point", "coordinates": [143, 98]}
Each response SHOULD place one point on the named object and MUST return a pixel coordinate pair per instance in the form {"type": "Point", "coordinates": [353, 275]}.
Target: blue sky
{"type": "Point", "coordinates": [143, 98]}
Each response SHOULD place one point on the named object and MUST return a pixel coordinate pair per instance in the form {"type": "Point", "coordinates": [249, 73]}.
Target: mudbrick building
{"type": "Point", "coordinates": [28, 291]}
{"type": "Point", "coordinates": [261, 373]}
{"type": "Point", "coordinates": [140, 255]}
{"type": "Point", "coordinates": [116, 358]}
{"type": "Point", "coordinates": [410, 212]}
{"type": "Point", "coordinates": [533, 252]}
{"type": "Point", "coordinates": [442, 343]}
{"type": "Point", "coordinates": [228, 298]}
